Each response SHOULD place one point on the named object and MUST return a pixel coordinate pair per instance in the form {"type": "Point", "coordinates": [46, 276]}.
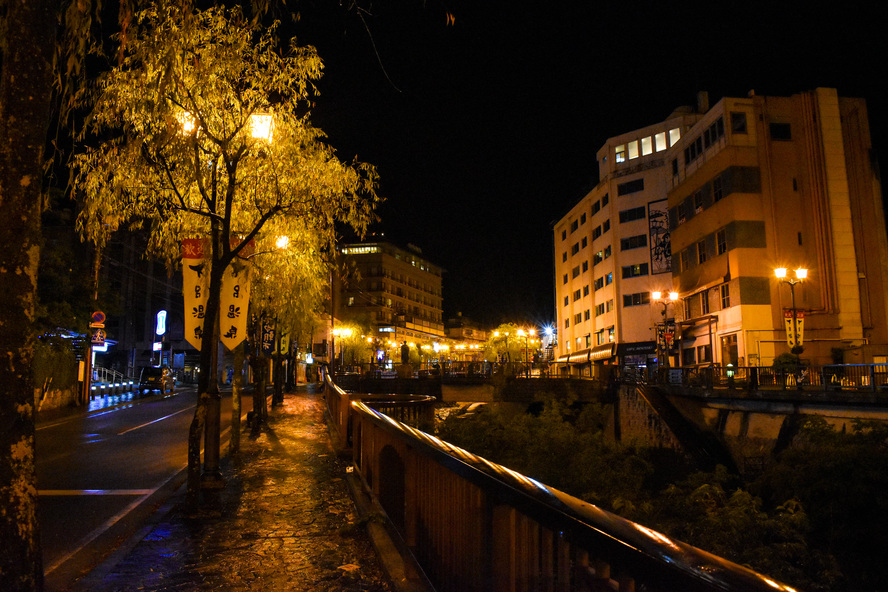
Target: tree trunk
{"type": "Point", "coordinates": [237, 387]}
{"type": "Point", "coordinates": [25, 98]}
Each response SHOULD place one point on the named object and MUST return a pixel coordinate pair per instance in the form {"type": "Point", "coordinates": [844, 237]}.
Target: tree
{"type": "Point", "coordinates": [25, 99]}
{"type": "Point", "coordinates": [176, 149]}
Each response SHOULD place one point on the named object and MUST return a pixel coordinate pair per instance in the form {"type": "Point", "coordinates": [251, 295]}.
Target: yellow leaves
{"type": "Point", "coordinates": [450, 19]}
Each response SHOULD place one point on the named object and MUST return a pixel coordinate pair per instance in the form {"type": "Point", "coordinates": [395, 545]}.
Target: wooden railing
{"type": "Point", "coordinates": [474, 525]}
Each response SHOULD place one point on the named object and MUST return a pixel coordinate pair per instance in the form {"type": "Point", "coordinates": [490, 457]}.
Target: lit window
{"type": "Point", "coordinates": [647, 146]}
{"type": "Point", "coordinates": [660, 142]}
{"type": "Point", "coordinates": [633, 149]}
{"type": "Point", "coordinates": [674, 136]}
{"type": "Point", "coordinates": [621, 153]}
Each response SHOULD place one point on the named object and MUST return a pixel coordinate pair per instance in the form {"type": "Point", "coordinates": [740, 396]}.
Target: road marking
{"type": "Point", "coordinates": [155, 420]}
{"type": "Point", "coordinates": [110, 522]}
{"type": "Point", "coordinates": [59, 492]}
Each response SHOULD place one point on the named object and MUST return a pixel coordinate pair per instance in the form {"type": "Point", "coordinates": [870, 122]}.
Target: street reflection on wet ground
{"type": "Point", "coordinates": [285, 521]}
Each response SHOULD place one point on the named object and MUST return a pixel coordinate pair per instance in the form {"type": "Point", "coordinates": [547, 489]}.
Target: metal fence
{"type": "Point", "coordinates": [474, 525]}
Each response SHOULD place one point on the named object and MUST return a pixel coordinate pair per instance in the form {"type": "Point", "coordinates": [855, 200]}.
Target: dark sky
{"type": "Point", "coordinates": [484, 131]}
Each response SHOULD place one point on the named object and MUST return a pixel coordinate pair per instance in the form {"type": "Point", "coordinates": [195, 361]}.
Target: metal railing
{"type": "Point", "coordinates": [475, 525]}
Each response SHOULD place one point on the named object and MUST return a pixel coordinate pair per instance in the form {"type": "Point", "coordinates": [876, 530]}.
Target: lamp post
{"type": "Point", "coordinates": [665, 300]}
{"type": "Point", "coordinates": [526, 335]}
{"type": "Point", "coordinates": [800, 275]}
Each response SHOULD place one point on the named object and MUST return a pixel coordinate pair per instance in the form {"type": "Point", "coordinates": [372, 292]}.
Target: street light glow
{"type": "Point", "coordinates": [262, 126]}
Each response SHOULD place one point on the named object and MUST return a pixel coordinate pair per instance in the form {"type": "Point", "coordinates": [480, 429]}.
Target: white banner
{"type": "Point", "coordinates": [195, 286]}
{"type": "Point", "coordinates": [235, 300]}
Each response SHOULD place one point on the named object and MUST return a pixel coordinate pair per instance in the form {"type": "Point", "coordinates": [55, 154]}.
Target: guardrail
{"type": "Point", "coordinates": [475, 525]}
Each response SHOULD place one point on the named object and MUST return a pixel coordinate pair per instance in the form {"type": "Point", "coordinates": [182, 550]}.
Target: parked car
{"type": "Point", "coordinates": [157, 378]}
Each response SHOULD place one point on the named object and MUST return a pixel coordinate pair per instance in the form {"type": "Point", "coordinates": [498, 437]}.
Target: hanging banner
{"type": "Point", "coordinates": [235, 300]}
{"type": "Point", "coordinates": [800, 328]}
{"type": "Point", "coordinates": [195, 287]}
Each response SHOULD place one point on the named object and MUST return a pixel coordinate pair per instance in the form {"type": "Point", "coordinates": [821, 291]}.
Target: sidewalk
{"type": "Point", "coordinates": [287, 522]}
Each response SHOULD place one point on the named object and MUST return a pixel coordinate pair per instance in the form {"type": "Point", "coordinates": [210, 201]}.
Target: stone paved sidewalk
{"type": "Point", "coordinates": [287, 522]}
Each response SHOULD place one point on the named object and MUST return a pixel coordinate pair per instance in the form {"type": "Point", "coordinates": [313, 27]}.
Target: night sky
{"type": "Point", "coordinates": [484, 130]}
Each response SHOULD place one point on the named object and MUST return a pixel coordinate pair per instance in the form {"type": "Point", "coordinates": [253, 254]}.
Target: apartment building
{"type": "Point", "coordinates": [612, 249]}
{"type": "Point", "coordinates": [394, 292]}
{"type": "Point", "coordinates": [760, 183]}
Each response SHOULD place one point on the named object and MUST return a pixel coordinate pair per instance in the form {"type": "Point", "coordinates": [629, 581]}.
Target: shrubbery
{"type": "Point", "coordinates": [814, 519]}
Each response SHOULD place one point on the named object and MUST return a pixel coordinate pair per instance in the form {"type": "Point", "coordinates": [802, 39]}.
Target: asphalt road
{"type": "Point", "coordinates": [101, 475]}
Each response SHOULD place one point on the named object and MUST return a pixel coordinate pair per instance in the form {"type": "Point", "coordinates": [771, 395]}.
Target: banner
{"type": "Point", "coordinates": [235, 300]}
{"type": "Point", "coordinates": [195, 287]}
{"type": "Point", "coordinates": [800, 328]}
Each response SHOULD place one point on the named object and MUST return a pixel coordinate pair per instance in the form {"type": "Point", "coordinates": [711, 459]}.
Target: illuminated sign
{"type": "Point", "coordinates": [161, 328]}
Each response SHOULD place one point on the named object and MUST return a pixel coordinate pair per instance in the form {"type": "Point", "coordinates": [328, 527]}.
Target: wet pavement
{"type": "Point", "coordinates": [286, 520]}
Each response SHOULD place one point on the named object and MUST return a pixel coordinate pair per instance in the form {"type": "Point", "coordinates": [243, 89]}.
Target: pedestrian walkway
{"type": "Point", "coordinates": [286, 521]}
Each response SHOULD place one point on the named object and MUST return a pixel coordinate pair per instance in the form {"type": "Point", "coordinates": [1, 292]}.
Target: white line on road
{"type": "Point", "coordinates": [155, 420]}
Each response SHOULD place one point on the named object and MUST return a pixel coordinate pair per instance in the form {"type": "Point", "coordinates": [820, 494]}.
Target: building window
{"type": "Point", "coordinates": [632, 149]}
{"type": "Point", "coordinates": [738, 122]}
{"type": "Point", "coordinates": [595, 207]}
{"type": "Point", "coordinates": [704, 302]}
{"type": "Point", "coordinates": [599, 337]}
{"type": "Point", "coordinates": [684, 258]}
{"type": "Point", "coordinates": [780, 131]}
{"type": "Point", "coordinates": [597, 258]}
{"type": "Point", "coordinates": [576, 295]}
{"type": "Point", "coordinates": [566, 323]}
{"type": "Point", "coordinates": [674, 136]}
{"type": "Point", "coordinates": [704, 354]}
{"type": "Point", "coordinates": [701, 251]}
{"type": "Point", "coordinates": [575, 272]}
{"type": "Point", "coordinates": [566, 300]}
{"type": "Point", "coordinates": [599, 283]}
{"type": "Point", "coordinates": [632, 214]}
{"type": "Point", "coordinates": [630, 187]}
{"type": "Point", "coordinates": [599, 309]}
{"type": "Point", "coordinates": [660, 142]}
{"type": "Point", "coordinates": [574, 225]}
{"type": "Point", "coordinates": [631, 271]}
{"type": "Point", "coordinates": [633, 242]}
{"type": "Point", "coordinates": [584, 242]}
{"type": "Point", "coordinates": [607, 251]}
{"type": "Point", "coordinates": [596, 233]}
{"type": "Point", "coordinates": [718, 190]}
{"type": "Point", "coordinates": [578, 318]}
{"type": "Point", "coordinates": [564, 256]}
{"type": "Point", "coordinates": [565, 278]}
{"type": "Point", "coordinates": [721, 242]}
{"type": "Point", "coordinates": [606, 226]}
{"type": "Point", "coordinates": [583, 218]}
{"type": "Point", "coordinates": [575, 249]}
{"type": "Point", "coordinates": [714, 132]}
{"type": "Point", "coordinates": [636, 299]}
{"type": "Point", "coordinates": [647, 146]}
{"type": "Point", "coordinates": [725, 291]}
{"type": "Point", "coordinates": [586, 315]}
{"type": "Point", "coordinates": [586, 290]}
{"type": "Point", "coordinates": [610, 333]}
{"type": "Point", "coordinates": [585, 266]}
{"type": "Point", "coordinates": [620, 153]}
{"type": "Point", "coordinates": [687, 357]}
{"type": "Point", "coordinates": [698, 201]}
{"type": "Point", "coordinates": [609, 279]}
{"type": "Point", "coordinates": [610, 305]}
{"type": "Point", "coordinates": [604, 200]}
{"type": "Point", "coordinates": [563, 235]}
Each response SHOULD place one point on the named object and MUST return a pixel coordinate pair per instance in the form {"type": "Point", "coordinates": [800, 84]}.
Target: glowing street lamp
{"type": "Point", "coordinates": [801, 274]}
{"type": "Point", "coordinates": [664, 300]}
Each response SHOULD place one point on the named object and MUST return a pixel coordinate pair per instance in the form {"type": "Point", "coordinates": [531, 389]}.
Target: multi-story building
{"type": "Point", "coordinates": [612, 249]}
{"type": "Point", "coordinates": [709, 204]}
{"type": "Point", "coordinates": [761, 183]}
{"type": "Point", "coordinates": [392, 292]}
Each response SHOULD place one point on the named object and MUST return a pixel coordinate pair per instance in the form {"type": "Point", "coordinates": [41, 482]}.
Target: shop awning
{"type": "Point", "coordinates": [602, 352]}
{"type": "Point", "coordinates": [580, 357]}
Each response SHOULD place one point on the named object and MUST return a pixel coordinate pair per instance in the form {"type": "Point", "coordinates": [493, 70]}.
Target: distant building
{"type": "Point", "coordinates": [465, 339]}
{"type": "Point", "coordinates": [708, 204]}
{"type": "Point", "coordinates": [393, 292]}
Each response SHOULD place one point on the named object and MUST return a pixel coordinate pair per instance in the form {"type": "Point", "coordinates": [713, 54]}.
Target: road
{"type": "Point", "coordinates": [102, 474]}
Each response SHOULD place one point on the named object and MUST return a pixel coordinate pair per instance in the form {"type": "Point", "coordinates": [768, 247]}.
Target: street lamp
{"type": "Point", "coordinates": [526, 335]}
{"type": "Point", "coordinates": [665, 300]}
{"type": "Point", "coordinates": [800, 275]}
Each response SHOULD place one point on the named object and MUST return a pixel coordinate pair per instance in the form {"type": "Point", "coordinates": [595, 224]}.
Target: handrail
{"type": "Point", "coordinates": [477, 525]}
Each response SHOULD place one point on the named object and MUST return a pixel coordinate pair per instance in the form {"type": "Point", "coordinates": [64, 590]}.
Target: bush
{"type": "Point", "coordinates": [55, 366]}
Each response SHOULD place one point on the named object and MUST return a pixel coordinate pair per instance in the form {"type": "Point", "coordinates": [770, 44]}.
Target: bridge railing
{"type": "Point", "coordinates": [839, 377]}
{"type": "Point", "coordinates": [474, 525]}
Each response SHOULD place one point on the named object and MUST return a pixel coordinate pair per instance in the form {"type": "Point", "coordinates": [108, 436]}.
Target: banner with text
{"type": "Point", "coordinates": [235, 300]}
{"type": "Point", "coordinates": [195, 286]}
